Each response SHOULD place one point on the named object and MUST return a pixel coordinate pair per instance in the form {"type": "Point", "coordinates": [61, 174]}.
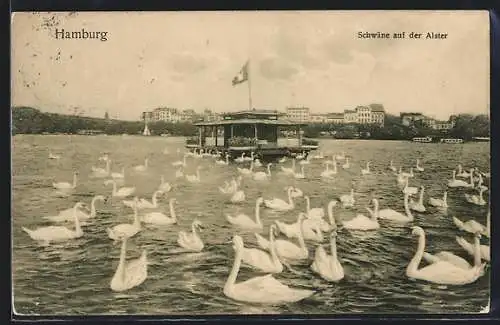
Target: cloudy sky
{"type": "Point", "coordinates": [313, 59]}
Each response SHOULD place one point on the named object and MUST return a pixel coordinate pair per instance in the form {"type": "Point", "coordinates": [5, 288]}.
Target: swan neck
{"type": "Point", "coordinates": [415, 261]}
{"type": "Point", "coordinates": [234, 271]}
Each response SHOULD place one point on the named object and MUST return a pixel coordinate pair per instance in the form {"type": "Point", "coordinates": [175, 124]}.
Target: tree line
{"type": "Point", "coordinates": [28, 120]}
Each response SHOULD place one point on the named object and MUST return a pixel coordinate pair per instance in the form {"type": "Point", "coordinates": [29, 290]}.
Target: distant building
{"type": "Point", "coordinates": [298, 114]}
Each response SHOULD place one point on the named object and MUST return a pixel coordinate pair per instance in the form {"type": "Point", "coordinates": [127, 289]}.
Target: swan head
{"type": "Point", "coordinates": [238, 242]}
{"type": "Point", "coordinates": [416, 230]}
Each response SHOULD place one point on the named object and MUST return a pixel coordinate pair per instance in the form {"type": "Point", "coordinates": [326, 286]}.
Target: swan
{"type": "Point", "coordinates": [66, 185]}
{"type": "Point", "coordinates": [289, 171]}
{"type": "Point", "coordinates": [238, 196]}
{"type": "Point", "coordinates": [116, 175]}
{"type": "Point", "coordinates": [409, 189]}
{"type": "Point", "coordinates": [125, 229]}
{"type": "Point", "coordinates": [52, 156]}
{"type": "Point", "coordinates": [366, 170]}
{"type": "Point", "coordinates": [328, 266]}
{"type": "Point", "coordinates": [440, 203]}
{"type": "Point", "coordinates": [314, 212]}
{"type": "Point", "coordinates": [145, 204]}
{"type": "Point", "coordinates": [101, 172]}
{"type": "Point", "coordinates": [460, 183]}
{"type": "Point", "coordinates": [164, 186]}
{"type": "Point", "coordinates": [484, 250]}
{"type": "Point", "coordinates": [57, 233]}
{"type": "Point", "coordinates": [257, 163]}
{"type": "Point", "coordinates": [347, 200]}
{"type": "Point", "coordinates": [261, 260]}
{"type": "Point", "coordinates": [246, 171]}
{"type": "Point", "coordinates": [476, 199]}
{"type": "Point", "coordinates": [129, 274]}
{"type": "Point", "coordinates": [179, 173]}
{"type": "Point", "coordinates": [346, 165]}
{"type": "Point", "coordinates": [279, 204]}
{"type": "Point", "coordinates": [241, 158]}
{"type": "Point", "coordinates": [262, 176]}
{"type": "Point", "coordinates": [419, 168]}
{"type": "Point", "coordinates": [122, 192]}
{"type": "Point", "coordinates": [223, 162]}
{"type": "Point", "coordinates": [68, 214]}
{"type": "Point", "coordinates": [461, 172]}
{"type": "Point", "coordinates": [300, 175]}
{"type": "Point", "coordinates": [440, 272]}
{"type": "Point", "coordinates": [194, 178]}
{"type": "Point", "coordinates": [287, 249]}
{"type": "Point", "coordinates": [159, 218]}
{"type": "Point", "coordinates": [473, 226]}
{"type": "Point", "coordinates": [391, 167]}
{"type": "Point", "coordinates": [390, 214]}
{"type": "Point", "coordinates": [180, 163]}
{"type": "Point", "coordinates": [261, 289]}
{"type": "Point", "coordinates": [361, 222]}
{"type": "Point", "coordinates": [244, 221]}
{"type": "Point", "coordinates": [418, 206]}
{"type": "Point", "coordinates": [142, 168]}
{"type": "Point", "coordinates": [191, 241]}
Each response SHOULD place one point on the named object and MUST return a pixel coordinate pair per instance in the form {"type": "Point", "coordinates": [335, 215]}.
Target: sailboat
{"type": "Point", "coordinates": [146, 130]}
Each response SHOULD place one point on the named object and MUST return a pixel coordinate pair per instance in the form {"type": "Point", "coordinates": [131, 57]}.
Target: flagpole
{"type": "Point", "coordinates": [249, 88]}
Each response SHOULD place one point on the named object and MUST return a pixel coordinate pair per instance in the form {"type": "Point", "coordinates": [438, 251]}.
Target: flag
{"type": "Point", "coordinates": [242, 76]}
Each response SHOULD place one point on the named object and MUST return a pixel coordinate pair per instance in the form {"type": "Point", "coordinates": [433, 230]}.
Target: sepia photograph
{"type": "Point", "coordinates": [250, 162]}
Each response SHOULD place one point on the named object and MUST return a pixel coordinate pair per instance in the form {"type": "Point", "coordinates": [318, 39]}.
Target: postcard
{"type": "Point", "coordinates": [264, 162]}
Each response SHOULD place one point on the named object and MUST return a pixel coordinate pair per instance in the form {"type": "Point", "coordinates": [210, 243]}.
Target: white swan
{"type": "Point", "coordinates": [484, 250]}
{"type": "Point", "coordinates": [68, 214]}
{"type": "Point", "coordinates": [246, 171]}
{"type": "Point", "coordinates": [391, 166]}
{"type": "Point", "coordinates": [361, 222]}
{"type": "Point", "coordinates": [301, 174]}
{"type": "Point", "coordinates": [262, 176]}
{"type": "Point", "coordinates": [313, 212]}
{"type": "Point", "coordinates": [164, 186]}
{"type": "Point", "coordinates": [366, 171]}
{"type": "Point", "coordinates": [261, 289]}
{"type": "Point", "coordinates": [440, 203]}
{"type": "Point", "coordinates": [475, 199]}
{"type": "Point", "coordinates": [418, 205]}
{"type": "Point", "coordinates": [66, 185]}
{"type": "Point", "coordinates": [418, 167]}
{"type": "Point", "coordinates": [194, 178]}
{"type": "Point", "coordinates": [347, 200]}
{"type": "Point", "coordinates": [261, 260]}
{"type": "Point", "coordinates": [142, 168]}
{"type": "Point", "coordinates": [159, 218]}
{"type": "Point", "coordinates": [279, 204]}
{"type": "Point", "coordinates": [390, 214]}
{"type": "Point", "coordinates": [244, 221]}
{"type": "Point", "coordinates": [57, 233]}
{"type": "Point", "coordinates": [460, 183]}
{"type": "Point", "coordinates": [473, 226]}
{"type": "Point", "coordinates": [346, 165]}
{"type": "Point", "coordinates": [440, 272]}
{"type": "Point", "coordinates": [129, 274]}
{"type": "Point", "coordinates": [223, 162]}
{"type": "Point", "coordinates": [238, 197]}
{"type": "Point", "coordinates": [122, 192]}
{"type": "Point", "coordinates": [328, 266]}
{"type": "Point", "coordinates": [191, 241]}
{"type": "Point", "coordinates": [289, 170]}
{"type": "Point", "coordinates": [116, 175]}
{"type": "Point", "coordinates": [286, 248]}
{"type": "Point", "coordinates": [125, 229]}
{"type": "Point", "coordinates": [101, 172]}
{"type": "Point", "coordinates": [180, 163]}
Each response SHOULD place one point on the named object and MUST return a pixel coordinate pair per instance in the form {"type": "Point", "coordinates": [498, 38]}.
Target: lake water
{"type": "Point", "coordinates": [73, 278]}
